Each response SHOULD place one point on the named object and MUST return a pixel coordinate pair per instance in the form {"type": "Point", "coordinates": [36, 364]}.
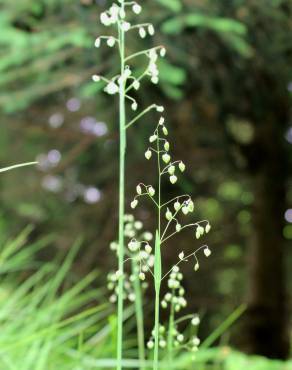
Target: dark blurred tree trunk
{"type": "Point", "coordinates": [267, 312]}
{"type": "Point", "coordinates": [265, 328]}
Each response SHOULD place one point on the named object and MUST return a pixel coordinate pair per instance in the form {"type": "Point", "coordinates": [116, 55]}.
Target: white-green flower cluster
{"type": "Point", "coordinates": [139, 251]}
{"type": "Point", "coordinates": [143, 190]}
{"type": "Point", "coordinates": [121, 16]}
{"type": "Point", "coordinates": [179, 206]}
{"type": "Point", "coordinates": [162, 148]}
{"type": "Point", "coordinates": [153, 70]}
{"type": "Point", "coordinates": [112, 285]}
{"type": "Point", "coordinates": [182, 341]}
{"type": "Point", "coordinates": [174, 300]}
{"type": "Point", "coordinates": [193, 344]}
{"type": "Point", "coordinates": [176, 294]}
{"type": "Point", "coordinates": [162, 338]}
{"type": "Point", "coordinates": [117, 14]}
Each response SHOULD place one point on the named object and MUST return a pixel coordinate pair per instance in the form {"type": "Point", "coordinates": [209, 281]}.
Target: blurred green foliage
{"type": "Point", "coordinates": [42, 44]}
{"type": "Point", "coordinates": [228, 71]}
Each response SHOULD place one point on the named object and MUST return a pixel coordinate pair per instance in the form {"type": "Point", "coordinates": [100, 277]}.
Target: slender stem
{"type": "Point", "coordinates": [175, 198]}
{"type": "Point", "coordinates": [147, 194]}
{"type": "Point", "coordinates": [137, 79]}
{"type": "Point", "coordinates": [139, 317]}
{"type": "Point", "coordinates": [121, 251]}
{"type": "Point", "coordinates": [157, 292]}
{"type": "Point", "coordinates": [141, 115]}
{"type": "Point", "coordinates": [170, 221]}
{"type": "Point", "coordinates": [140, 25]}
{"type": "Point", "coordinates": [156, 336]}
{"type": "Point", "coordinates": [184, 227]}
{"type": "Point", "coordinates": [185, 260]}
{"type": "Point", "coordinates": [143, 52]}
{"type": "Point", "coordinates": [170, 333]}
{"type": "Point", "coordinates": [170, 164]}
{"type": "Point", "coordinates": [159, 189]}
{"type": "Point", "coordinates": [186, 317]}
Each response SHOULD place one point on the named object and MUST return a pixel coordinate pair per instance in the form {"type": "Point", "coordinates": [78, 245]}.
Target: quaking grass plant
{"type": "Point", "coordinates": [139, 250]}
{"type": "Point", "coordinates": [169, 224]}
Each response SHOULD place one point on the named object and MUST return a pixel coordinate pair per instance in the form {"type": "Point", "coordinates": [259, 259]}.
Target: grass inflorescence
{"type": "Point", "coordinates": [146, 255]}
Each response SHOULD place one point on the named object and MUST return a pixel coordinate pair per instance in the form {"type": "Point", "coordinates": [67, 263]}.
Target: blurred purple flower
{"type": "Point", "coordinates": [288, 215]}
{"type": "Point", "coordinates": [92, 195]}
{"type": "Point", "coordinates": [89, 125]}
{"type": "Point", "coordinates": [52, 183]}
{"type": "Point", "coordinates": [73, 104]}
{"type": "Point", "coordinates": [54, 156]}
{"type": "Point", "coordinates": [56, 120]}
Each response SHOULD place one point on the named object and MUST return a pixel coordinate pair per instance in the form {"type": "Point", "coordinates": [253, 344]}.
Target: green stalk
{"type": "Point", "coordinates": [139, 317]}
{"type": "Point", "coordinates": [170, 334]}
{"type": "Point", "coordinates": [156, 334]}
{"type": "Point", "coordinates": [121, 252]}
{"type": "Point", "coordinates": [158, 268]}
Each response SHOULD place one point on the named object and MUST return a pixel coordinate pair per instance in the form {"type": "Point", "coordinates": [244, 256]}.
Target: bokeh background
{"type": "Point", "coordinates": [226, 84]}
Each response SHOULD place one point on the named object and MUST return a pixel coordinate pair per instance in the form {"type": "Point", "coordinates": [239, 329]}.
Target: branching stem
{"type": "Point", "coordinates": [185, 259]}
{"type": "Point", "coordinates": [140, 115]}
{"type": "Point", "coordinates": [143, 52]}
{"type": "Point", "coordinates": [183, 227]}
{"type": "Point", "coordinates": [121, 248]}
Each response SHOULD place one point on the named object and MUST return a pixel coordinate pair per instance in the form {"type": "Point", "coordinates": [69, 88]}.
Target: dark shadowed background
{"type": "Point", "coordinates": [226, 84]}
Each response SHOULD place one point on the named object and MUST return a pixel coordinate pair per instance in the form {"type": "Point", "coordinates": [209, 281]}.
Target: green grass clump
{"type": "Point", "coordinates": [49, 318]}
